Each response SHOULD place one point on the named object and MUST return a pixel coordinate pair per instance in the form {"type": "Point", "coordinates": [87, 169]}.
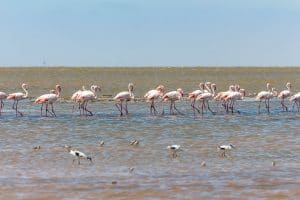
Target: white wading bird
{"type": "Point", "coordinates": [174, 148]}
{"type": "Point", "coordinates": [78, 154]}
{"type": "Point", "coordinates": [224, 148]}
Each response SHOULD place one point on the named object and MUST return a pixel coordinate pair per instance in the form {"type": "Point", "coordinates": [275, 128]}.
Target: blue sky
{"type": "Point", "coordinates": [150, 33]}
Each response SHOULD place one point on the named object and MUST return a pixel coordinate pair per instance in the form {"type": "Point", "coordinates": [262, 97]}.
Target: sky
{"type": "Point", "coordinates": [150, 33]}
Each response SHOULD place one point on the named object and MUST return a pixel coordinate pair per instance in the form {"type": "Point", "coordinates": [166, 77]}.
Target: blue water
{"type": "Point", "coordinates": [247, 170]}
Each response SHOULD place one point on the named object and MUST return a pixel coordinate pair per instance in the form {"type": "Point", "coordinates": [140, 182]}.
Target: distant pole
{"type": "Point", "coordinates": [44, 61]}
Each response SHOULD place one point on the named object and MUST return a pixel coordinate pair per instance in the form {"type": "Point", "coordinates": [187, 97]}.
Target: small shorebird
{"type": "Point", "coordinates": [174, 148]}
{"type": "Point", "coordinates": [224, 148]}
{"type": "Point", "coordinates": [36, 148]}
{"type": "Point", "coordinates": [134, 142]}
{"type": "Point", "coordinates": [78, 154]}
{"type": "Point", "coordinates": [101, 144]}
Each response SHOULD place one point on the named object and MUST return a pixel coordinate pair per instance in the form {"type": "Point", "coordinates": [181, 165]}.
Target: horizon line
{"type": "Point", "coordinates": [147, 66]}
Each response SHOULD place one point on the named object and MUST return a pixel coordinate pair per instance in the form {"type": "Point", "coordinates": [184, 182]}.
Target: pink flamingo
{"type": "Point", "coordinates": [233, 97]}
{"type": "Point", "coordinates": [49, 99]}
{"type": "Point", "coordinates": [193, 95]}
{"type": "Point", "coordinates": [206, 96]}
{"type": "Point", "coordinates": [2, 97]}
{"type": "Point", "coordinates": [222, 95]}
{"type": "Point", "coordinates": [266, 95]}
{"type": "Point", "coordinates": [296, 99]}
{"type": "Point", "coordinates": [284, 94]}
{"type": "Point", "coordinates": [18, 96]}
{"type": "Point", "coordinates": [87, 95]}
{"type": "Point", "coordinates": [153, 95]}
{"type": "Point", "coordinates": [172, 97]}
{"type": "Point", "coordinates": [74, 98]}
{"type": "Point", "coordinates": [124, 96]}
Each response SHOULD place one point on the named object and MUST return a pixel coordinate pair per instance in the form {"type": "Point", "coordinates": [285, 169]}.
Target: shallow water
{"type": "Point", "coordinates": [247, 171]}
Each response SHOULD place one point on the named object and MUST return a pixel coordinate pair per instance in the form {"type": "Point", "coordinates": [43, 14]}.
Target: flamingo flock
{"type": "Point", "coordinates": [199, 99]}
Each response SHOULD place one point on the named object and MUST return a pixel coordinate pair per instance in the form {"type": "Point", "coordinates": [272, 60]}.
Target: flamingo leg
{"type": "Point", "coordinates": [209, 108]}
{"type": "Point", "coordinates": [151, 105]}
{"type": "Point", "coordinates": [42, 109]}
{"type": "Point", "coordinates": [177, 109]}
{"type": "Point", "coordinates": [193, 104]}
{"type": "Point", "coordinates": [194, 107]}
{"type": "Point", "coordinates": [18, 112]}
{"type": "Point", "coordinates": [79, 108]}
{"type": "Point", "coordinates": [1, 106]}
{"type": "Point", "coordinates": [259, 106]}
{"type": "Point", "coordinates": [47, 110]}
{"type": "Point", "coordinates": [284, 107]}
{"type": "Point", "coordinates": [53, 110]}
{"type": "Point", "coordinates": [82, 107]}
{"type": "Point", "coordinates": [224, 105]}
{"type": "Point", "coordinates": [231, 105]}
{"type": "Point", "coordinates": [201, 106]}
{"type": "Point", "coordinates": [13, 106]}
{"type": "Point", "coordinates": [268, 105]}
{"type": "Point", "coordinates": [227, 106]}
{"type": "Point", "coordinates": [171, 109]}
{"type": "Point", "coordinates": [154, 109]}
{"type": "Point", "coordinates": [163, 110]}
{"type": "Point", "coordinates": [121, 106]}
{"type": "Point", "coordinates": [294, 103]}
{"type": "Point", "coordinates": [85, 108]}
{"type": "Point", "coordinates": [118, 108]}
{"type": "Point", "coordinates": [126, 108]}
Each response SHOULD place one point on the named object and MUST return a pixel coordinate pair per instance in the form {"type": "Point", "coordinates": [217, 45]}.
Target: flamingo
{"type": "Point", "coordinates": [124, 96]}
{"type": "Point", "coordinates": [266, 95]}
{"type": "Point", "coordinates": [284, 94]}
{"type": "Point", "coordinates": [2, 97]}
{"type": "Point", "coordinates": [232, 97]}
{"type": "Point", "coordinates": [18, 96]}
{"type": "Point", "coordinates": [221, 96]}
{"type": "Point", "coordinates": [193, 95]}
{"type": "Point", "coordinates": [74, 98]}
{"type": "Point", "coordinates": [206, 96]}
{"type": "Point", "coordinates": [296, 99]}
{"type": "Point", "coordinates": [87, 95]}
{"type": "Point", "coordinates": [153, 95]}
{"type": "Point", "coordinates": [49, 99]}
{"type": "Point", "coordinates": [172, 97]}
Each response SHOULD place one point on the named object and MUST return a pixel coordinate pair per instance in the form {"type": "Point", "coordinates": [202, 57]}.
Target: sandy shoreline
{"type": "Point", "coordinates": [115, 79]}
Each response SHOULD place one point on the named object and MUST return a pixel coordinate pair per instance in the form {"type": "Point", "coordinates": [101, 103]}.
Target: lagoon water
{"type": "Point", "coordinates": [247, 172]}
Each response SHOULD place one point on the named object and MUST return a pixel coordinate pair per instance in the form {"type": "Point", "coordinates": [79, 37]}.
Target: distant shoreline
{"type": "Point", "coordinates": [141, 67]}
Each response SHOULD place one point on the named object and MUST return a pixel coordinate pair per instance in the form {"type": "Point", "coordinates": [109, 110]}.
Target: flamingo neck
{"type": "Point", "coordinates": [26, 91]}
{"type": "Point", "coordinates": [213, 91]}
{"type": "Point", "coordinates": [268, 88]}
{"type": "Point", "coordinates": [208, 88]}
{"type": "Point", "coordinates": [57, 92]}
{"type": "Point", "coordinates": [131, 94]}
{"type": "Point", "coordinates": [274, 92]}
